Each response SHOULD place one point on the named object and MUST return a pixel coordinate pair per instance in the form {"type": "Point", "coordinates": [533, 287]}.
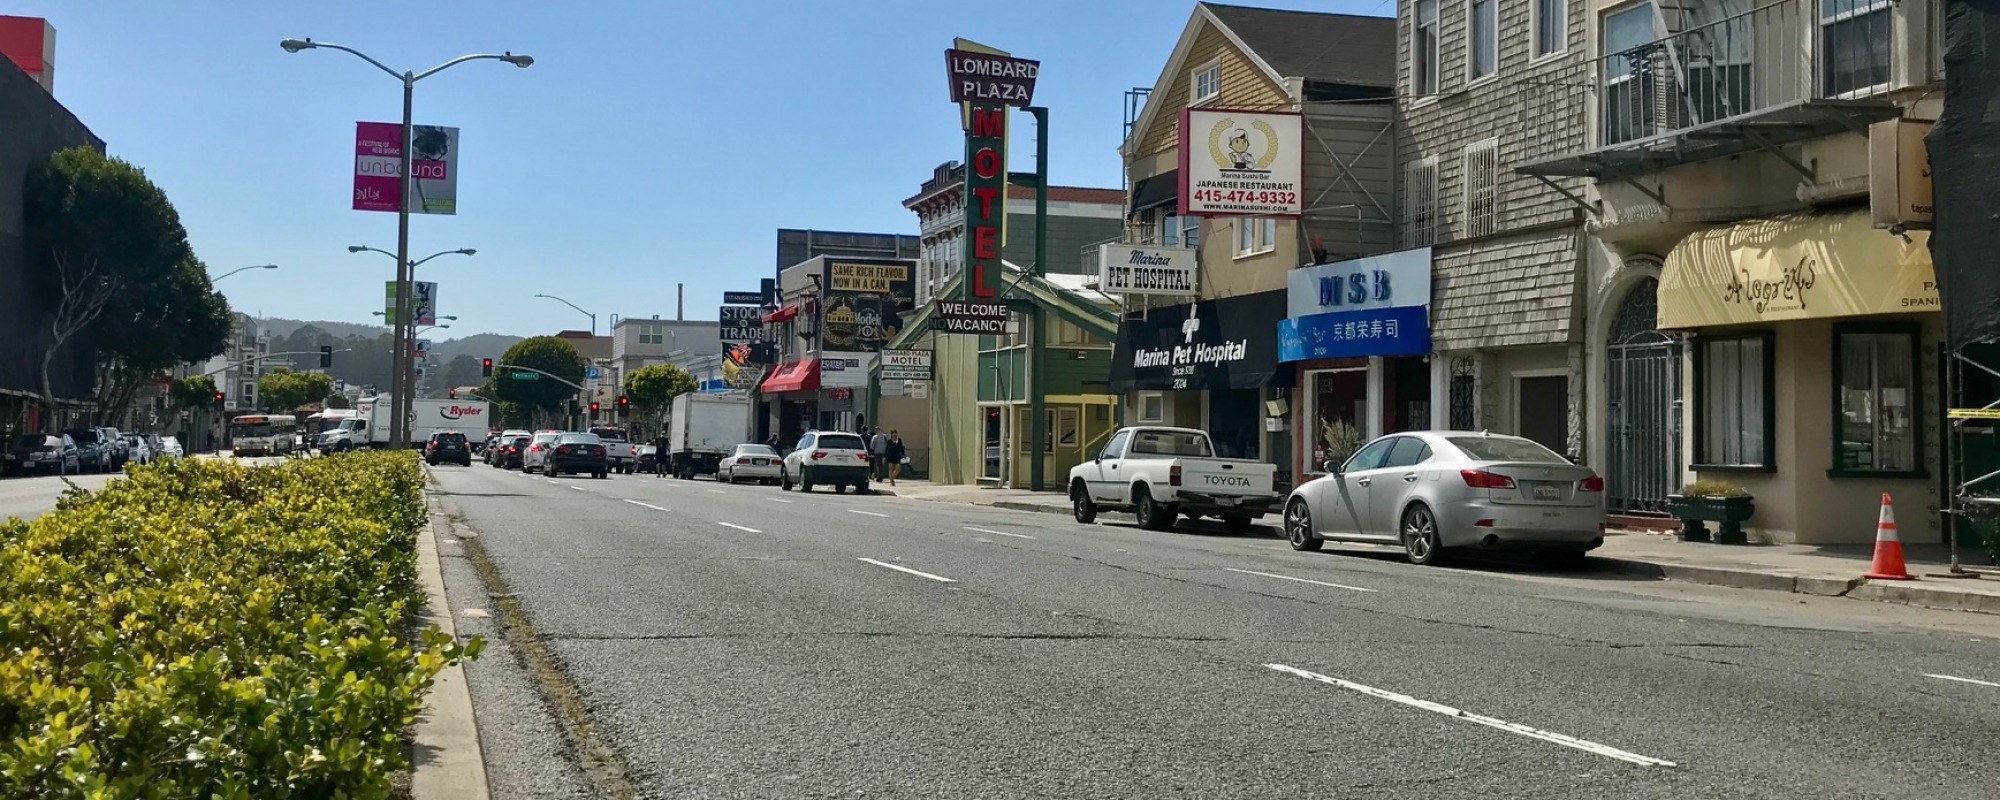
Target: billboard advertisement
{"type": "Point", "coordinates": [378, 154]}
{"type": "Point", "coordinates": [1242, 162]}
{"type": "Point", "coordinates": [741, 324]}
{"type": "Point", "coordinates": [865, 301]}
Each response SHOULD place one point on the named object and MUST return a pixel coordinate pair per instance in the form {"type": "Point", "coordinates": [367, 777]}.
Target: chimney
{"type": "Point", "coordinates": [680, 301]}
{"type": "Point", "coordinates": [30, 42]}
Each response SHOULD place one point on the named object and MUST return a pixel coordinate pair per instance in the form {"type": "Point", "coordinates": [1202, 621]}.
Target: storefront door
{"type": "Point", "coordinates": [1335, 420]}
{"type": "Point", "coordinates": [1235, 422]}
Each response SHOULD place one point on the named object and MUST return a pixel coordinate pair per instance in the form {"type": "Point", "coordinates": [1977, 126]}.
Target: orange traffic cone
{"type": "Point", "coordinates": [1888, 548]}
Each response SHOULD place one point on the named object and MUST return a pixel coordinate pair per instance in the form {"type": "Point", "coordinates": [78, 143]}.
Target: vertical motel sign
{"type": "Point", "coordinates": [986, 84]}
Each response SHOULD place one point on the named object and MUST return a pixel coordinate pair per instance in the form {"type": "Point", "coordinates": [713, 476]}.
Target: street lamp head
{"type": "Point", "coordinates": [453, 319]}
{"type": "Point", "coordinates": [468, 251]}
{"type": "Point", "coordinates": [295, 45]}
{"type": "Point", "coordinates": [265, 266]}
{"type": "Point", "coordinates": [355, 248]}
{"type": "Point", "coordinates": [523, 60]}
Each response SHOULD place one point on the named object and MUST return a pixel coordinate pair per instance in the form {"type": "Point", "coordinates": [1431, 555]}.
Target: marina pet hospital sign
{"type": "Point", "coordinates": [1136, 269]}
{"type": "Point", "coordinates": [1375, 306]}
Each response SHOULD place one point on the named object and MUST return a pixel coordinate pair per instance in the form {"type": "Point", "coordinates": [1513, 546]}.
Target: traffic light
{"type": "Point", "coordinates": [593, 408]}
{"type": "Point", "coordinates": [624, 405]}
{"type": "Point", "coordinates": [325, 356]}
{"type": "Point", "coordinates": [452, 394]}
{"type": "Point", "coordinates": [218, 399]}
{"type": "Point", "coordinates": [486, 368]}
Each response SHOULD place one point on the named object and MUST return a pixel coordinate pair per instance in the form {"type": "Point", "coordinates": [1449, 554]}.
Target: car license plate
{"type": "Point", "coordinates": [761, 462]}
{"type": "Point", "coordinates": [1546, 492]}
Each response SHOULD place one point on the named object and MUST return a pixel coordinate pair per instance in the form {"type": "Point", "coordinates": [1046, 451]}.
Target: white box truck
{"type": "Point", "coordinates": [704, 428]}
{"type": "Point", "coordinates": [370, 426]}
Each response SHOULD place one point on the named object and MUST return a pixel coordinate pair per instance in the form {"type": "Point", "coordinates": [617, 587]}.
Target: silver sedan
{"type": "Point", "coordinates": [1431, 491]}
{"type": "Point", "coordinates": [754, 462]}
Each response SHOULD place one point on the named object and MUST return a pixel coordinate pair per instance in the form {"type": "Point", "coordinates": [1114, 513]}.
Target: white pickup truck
{"type": "Point", "coordinates": [623, 455]}
{"type": "Point", "coordinates": [1159, 473]}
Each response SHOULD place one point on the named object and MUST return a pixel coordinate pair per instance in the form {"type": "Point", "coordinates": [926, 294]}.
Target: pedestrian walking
{"type": "Point", "coordinates": [878, 447]}
{"type": "Point", "coordinates": [896, 455]}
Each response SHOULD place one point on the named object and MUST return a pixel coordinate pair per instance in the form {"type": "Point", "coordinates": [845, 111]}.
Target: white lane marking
{"type": "Point", "coordinates": [647, 505]}
{"type": "Point", "coordinates": [718, 491]}
{"type": "Point", "coordinates": [556, 482]}
{"type": "Point", "coordinates": [1000, 533]}
{"type": "Point", "coordinates": [579, 488]}
{"type": "Point", "coordinates": [738, 527]}
{"type": "Point", "coordinates": [1510, 727]}
{"type": "Point", "coordinates": [777, 500]}
{"type": "Point", "coordinates": [1300, 580]}
{"type": "Point", "coordinates": [938, 578]}
{"type": "Point", "coordinates": [869, 513]}
{"type": "Point", "coordinates": [1974, 681]}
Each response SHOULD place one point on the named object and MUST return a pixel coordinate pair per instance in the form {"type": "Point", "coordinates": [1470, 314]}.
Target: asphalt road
{"type": "Point", "coordinates": [696, 640]}
{"type": "Point", "coordinates": [29, 498]}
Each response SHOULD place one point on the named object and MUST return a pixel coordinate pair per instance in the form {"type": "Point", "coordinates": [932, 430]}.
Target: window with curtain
{"type": "Point", "coordinates": [1734, 401]}
{"type": "Point", "coordinates": [1876, 386]}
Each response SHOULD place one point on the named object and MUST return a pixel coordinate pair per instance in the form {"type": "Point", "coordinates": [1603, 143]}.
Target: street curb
{"type": "Point", "coordinates": [446, 760]}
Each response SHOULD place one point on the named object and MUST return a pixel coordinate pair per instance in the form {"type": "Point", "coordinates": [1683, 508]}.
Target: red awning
{"type": "Point", "coordinates": [782, 315]}
{"type": "Point", "coordinates": [792, 376]}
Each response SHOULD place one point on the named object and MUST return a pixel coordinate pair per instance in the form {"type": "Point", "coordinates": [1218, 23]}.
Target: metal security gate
{"type": "Point", "coordinates": [1643, 368]}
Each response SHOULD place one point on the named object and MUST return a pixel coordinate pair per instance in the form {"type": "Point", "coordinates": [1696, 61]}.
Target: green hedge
{"type": "Point", "coordinates": [202, 629]}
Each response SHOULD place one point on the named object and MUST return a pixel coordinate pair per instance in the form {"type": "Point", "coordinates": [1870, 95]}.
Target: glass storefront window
{"type": "Point", "coordinates": [1876, 386]}
{"type": "Point", "coordinates": [1734, 392]}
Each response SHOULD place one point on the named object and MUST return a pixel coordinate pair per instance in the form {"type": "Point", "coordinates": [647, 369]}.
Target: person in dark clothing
{"type": "Point", "coordinates": [896, 455]}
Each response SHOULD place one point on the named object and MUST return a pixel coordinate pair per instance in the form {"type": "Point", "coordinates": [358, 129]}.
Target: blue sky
{"type": "Point", "coordinates": [652, 143]}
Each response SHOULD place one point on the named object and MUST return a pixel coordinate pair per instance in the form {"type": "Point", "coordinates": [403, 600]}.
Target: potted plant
{"type": "Point", "coordinates": [1338, 440]}
{"type": "Point", "coordinates": [1716, 501]}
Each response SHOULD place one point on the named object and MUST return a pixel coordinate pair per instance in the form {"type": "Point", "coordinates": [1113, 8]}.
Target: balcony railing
{"type": "Point", "coordinates": [1781, 72]}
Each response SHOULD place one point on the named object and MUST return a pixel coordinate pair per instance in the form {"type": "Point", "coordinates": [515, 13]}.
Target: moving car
{"type": "Point", "coordinates": [648, 459]}
{"type": "Point", "coordinates": [537, 452]}
{"type": "Point", "coordinates": [496, 453]}
{"type": "Point", "coordinates": [822, 458]}
{"type": "Point", "coordinates": [515, 452]}
{"type": "Point", "coordinates": [448, 446]}
{"type": "Point", "coordinates": [42, 454]}
{"type": "Point", "coordinates": [1431, 492]}
{"type": "Point", "coordinates": [1160, 472]}
{"type": "Point", "coordinates": [757, 462]}
{"type": "Point", "coordinates": [577, 453]}
{"type": "Point", "coordinates": [170, 447]}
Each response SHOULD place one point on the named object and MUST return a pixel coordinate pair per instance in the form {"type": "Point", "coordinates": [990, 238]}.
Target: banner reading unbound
{"type": "Point", "coordinates": [378, 167]}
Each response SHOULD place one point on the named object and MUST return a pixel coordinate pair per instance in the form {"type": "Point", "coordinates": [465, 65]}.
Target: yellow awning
{"type": "Point", "coordinates": [1803, 266]}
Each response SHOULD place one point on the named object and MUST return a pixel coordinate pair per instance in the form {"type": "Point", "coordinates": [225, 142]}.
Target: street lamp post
{"type": "Point", "coordinates": [241, 269]}
{"type": "Point", "coordinates": [400, 394]}
{"type": "Point", "coordinates": [593, 317]}
{"type": "Point", "coordinates": [406, 340]}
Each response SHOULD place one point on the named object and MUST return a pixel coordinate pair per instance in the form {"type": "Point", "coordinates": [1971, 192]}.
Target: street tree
{"type": "Point", "coordinates": [193, 392]}
{"type": "Point", "coordinates": [548, 354]}
{"type": "Point", "coordinates": [652, 389]}
{"type": "Point", "coordinates": [282, 390]}
{"type": "Point", "coordinates": [95, 227]}
{"type": "Point", "coordinates": [147, 329]}
{"type": "Point", "coordinates": [337, 401]}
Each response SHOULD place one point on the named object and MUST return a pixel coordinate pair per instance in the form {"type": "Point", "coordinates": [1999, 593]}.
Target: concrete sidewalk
{"type": "Point", "coordinates": [1827, 570]}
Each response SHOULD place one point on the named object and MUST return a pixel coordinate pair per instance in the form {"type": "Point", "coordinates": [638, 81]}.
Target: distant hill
{"type": "Point", "coordinates": [478, 345]}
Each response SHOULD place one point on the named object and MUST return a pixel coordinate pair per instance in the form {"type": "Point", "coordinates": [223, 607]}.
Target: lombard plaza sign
{"type": "Point", "coordinates": [986, 82]}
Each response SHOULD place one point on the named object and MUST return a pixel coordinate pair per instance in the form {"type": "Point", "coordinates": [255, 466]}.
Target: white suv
{"type": "Point", "coordinates": [827, 457]}
{"type": "Point", "coordinates": [538, 451]}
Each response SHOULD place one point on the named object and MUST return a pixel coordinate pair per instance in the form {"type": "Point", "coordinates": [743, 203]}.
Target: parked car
{"type": "Point", "coordinates": [537, 453]}
{"type": "Point", "coordinates": [1432, 492]}
{"type": "Point", "coordinates": [578, 453]}
{"type": "Point", "coordinates": [757, 462]}
{"type": "Point", "coordinates": [42, 454]}
{"type": "Point", "coordinates": [137, 446]}
{"type": "Point", "coordinates": [484, 447]}
{"type": "Point", "coordinates": [1161, 472]}
{"type": "Point", "coordinates": [825, 457]}
{"type": "Point", "coordinates": [170, 447]}
{"type": "Point", "coordinates": [115, 442]}
{"type": "Point", "coordinates": [448, 447]}
{"type": "Point", "coordinates": [91, 449]}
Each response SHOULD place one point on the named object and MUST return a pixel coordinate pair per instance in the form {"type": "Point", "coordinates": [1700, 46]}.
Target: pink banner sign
{"type": "Point", "coordinates": [378, 152]}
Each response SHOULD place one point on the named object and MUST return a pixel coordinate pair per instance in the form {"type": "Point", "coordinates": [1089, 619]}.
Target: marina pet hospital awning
{"type": "Point", "coordinates": [792, 376]}
{"type": "Point", "coordinates": [1230, 343]}
{"type": "Point", "coordinates": [1804, 266]}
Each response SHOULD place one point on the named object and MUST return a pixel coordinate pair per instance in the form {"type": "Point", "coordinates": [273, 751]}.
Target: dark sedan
{"type": "Point", "coordinates": [37, 454]}
{"type": "Point", "coordinates": [513, 452]}
{"type": "Point", "coordinates": [578, 453]}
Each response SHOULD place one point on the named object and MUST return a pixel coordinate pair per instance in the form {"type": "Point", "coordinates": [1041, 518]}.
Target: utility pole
{"type": "Point", "coordinates": [1038, 346]}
